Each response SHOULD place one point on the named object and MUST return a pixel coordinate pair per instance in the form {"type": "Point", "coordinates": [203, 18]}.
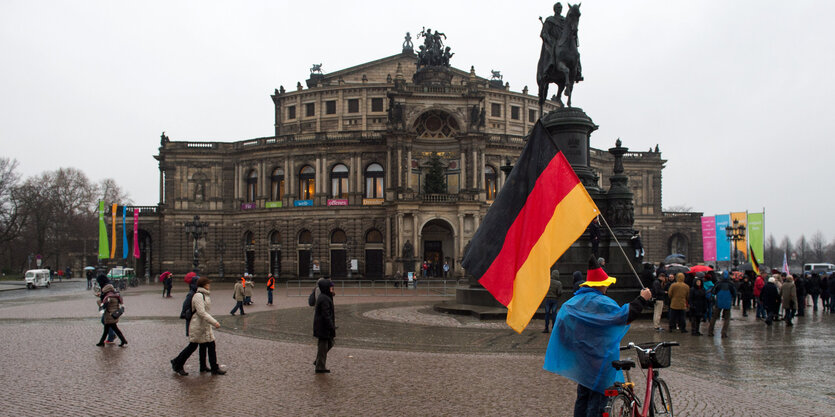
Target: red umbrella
{"type": "Point", "coordinates": [700, 268]}
{"type": "Point", "coordinates": [189, 277]}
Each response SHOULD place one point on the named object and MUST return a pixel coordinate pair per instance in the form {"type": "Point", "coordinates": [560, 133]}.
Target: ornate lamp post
{"type": "Point", "coordinates": [735, 233]}
{"type": "Point", "coordinates": [196, 229]}
{"type": "Point", "coordinates": [506, 168]}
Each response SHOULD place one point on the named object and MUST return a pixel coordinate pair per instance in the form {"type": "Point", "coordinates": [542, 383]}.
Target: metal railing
{"type": "Point", "coordinates": [378, 288]}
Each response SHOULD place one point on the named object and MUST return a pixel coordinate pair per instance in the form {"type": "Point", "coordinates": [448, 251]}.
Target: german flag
{"type": "Point", "coordinates": [754, 264]}
{"type": "Point", "coordinates": [539, 212]}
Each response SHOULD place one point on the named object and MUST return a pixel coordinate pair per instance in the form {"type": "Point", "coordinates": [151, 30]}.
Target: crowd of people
{"type": "Point", "coordinates": [707, 296]}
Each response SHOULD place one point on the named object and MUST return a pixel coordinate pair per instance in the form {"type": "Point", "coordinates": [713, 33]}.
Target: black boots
{"type": "Point", "coordinates": [178, 369]}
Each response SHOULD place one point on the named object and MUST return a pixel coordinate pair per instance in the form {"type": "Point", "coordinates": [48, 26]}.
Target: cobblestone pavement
{"type": "Point", "coordinates": [393, 356]}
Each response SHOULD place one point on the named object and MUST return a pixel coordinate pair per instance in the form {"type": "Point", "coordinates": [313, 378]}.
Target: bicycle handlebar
{"type": "Point", "coordinates": [632, 345]}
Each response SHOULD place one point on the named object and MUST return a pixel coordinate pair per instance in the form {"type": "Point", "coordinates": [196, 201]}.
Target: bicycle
{"type": "Point", "coordinates": [623, 402]}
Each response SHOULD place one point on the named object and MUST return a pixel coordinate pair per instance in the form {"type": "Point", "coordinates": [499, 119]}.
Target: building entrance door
{"type": "Point", "coordinates": [438, 239]}
{"type": "Point", "coordinates": [275, 262]}
{"type": "Point", "coordinates": [339, 267]}
{"type": "Point", "coordinates": [304, 264]}
{"type": "Point", "coordinates": [374, 263]}
{"type": "Point", "coordinates": [433, 252]}
{"type": "Point", "coordinates": [250, 261]}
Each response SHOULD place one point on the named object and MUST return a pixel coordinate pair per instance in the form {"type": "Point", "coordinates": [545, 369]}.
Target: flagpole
{"type": "Point", "coordinates": [628, 261]}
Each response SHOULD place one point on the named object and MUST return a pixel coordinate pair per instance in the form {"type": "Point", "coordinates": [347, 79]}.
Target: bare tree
{"type": "Point", "coordinates": [802, 250]}
{"type": "Point", "coordinates": [787, 248]}
{"type": "Point", "coordinates": [772, 252]}
{"type": "Point", "coordinates": [11, 215]}
{"type": "Point", "coordinates": [110, 192]}
{"type": "Point", "coordinates": [817, 246]}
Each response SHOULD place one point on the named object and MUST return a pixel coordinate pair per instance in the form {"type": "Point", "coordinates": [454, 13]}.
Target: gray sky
{"type": "Point", "coordinates": [735, 92]}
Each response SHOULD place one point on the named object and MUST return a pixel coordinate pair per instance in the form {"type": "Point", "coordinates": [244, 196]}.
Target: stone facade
{"type": "Point", "coordinates": [343, 177]}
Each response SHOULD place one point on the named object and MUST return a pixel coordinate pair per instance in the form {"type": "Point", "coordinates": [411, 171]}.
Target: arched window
{"type": "Point", "coordinates": [374, 236]}
{"type": "Point", "coordinates": [339, 181]}
{"type": "Point", "coordinates": [251, 185]}
{"type": "Point", "coordinates": [305, 237]}
{"type": "Point", "coordinates": [277, 184]}
{"type": "Point", "coordinates": [338, 236]}
{"type": "Point", "coordinates": [490, 182]}
{"type": "Point", "coordinates": [374, 181]}
{"type": "Point", "coordinates": [275, 238]}
{"type": "Point", "coordinates": [436, 124]}
{"type": "Point", "coordinates": [249, 239]}
{"type": "Point", "coordinates": [307, 183]}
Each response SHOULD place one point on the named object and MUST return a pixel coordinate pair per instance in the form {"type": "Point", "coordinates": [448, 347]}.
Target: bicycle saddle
{"type": "Point", "coordinates": [625, 365]}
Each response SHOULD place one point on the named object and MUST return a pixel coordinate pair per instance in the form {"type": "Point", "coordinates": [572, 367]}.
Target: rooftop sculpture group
{"type": "Point", "coordinates": [432, 53]}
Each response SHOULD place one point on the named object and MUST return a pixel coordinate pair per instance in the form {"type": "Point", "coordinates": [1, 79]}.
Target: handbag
{"type": "Point", "coordinates": [118, 313]}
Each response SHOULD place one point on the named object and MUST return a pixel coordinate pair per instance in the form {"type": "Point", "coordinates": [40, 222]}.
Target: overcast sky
{"type": "Point", "coordinates": [737, 93]}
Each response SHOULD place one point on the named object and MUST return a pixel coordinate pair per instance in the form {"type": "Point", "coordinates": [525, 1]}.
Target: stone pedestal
{"type": "Point", "coordinates": [433, 76]}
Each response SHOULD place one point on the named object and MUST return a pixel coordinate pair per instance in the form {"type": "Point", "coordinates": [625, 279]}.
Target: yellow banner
{"type": "Point", "coordinates": [742, 245]}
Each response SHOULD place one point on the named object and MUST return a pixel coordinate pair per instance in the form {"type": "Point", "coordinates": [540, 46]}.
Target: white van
{"type": "Point", "coordinates": [819, 268]}
{"type": "Point", "coordinates": [37, 278]}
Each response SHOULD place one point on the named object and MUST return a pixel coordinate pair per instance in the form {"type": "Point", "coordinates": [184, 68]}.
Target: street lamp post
{"type": "Point", "coordinates": [348, 245]}
{"type": "Point", "coordinates": [735, 233]}
{"type": "Point", "coordinates": [196, 229]}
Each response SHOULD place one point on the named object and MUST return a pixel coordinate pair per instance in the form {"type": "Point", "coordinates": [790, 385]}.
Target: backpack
{"type": "Point", "coordinates": [311, 300]}
{"type": "Point", "coordinates": [187, 311]}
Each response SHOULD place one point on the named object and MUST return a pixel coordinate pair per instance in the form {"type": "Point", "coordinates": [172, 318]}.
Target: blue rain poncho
{"type": "Point", "coordinates": [586, 339]}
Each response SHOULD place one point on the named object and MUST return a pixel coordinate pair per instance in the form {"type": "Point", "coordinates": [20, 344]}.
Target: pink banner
{"type": "Point", "coordinates": [136, 233]}
{"type": "Point", "coordinates": [709, 238]}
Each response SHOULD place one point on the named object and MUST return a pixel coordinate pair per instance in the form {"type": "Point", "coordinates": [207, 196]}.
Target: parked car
{"type": "Point", "coordinates": [37, 278]}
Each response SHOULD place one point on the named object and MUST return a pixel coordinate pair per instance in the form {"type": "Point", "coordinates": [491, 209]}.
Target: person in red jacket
{"type": "Point", "coordinates": [758, 288]}
{"type": "Point", "coordinates": [270, 288]}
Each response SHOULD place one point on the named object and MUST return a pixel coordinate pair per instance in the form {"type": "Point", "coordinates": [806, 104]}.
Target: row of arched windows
{"type": "Point", "coordinates": [339, 183]}
{"type": "Point", "coordinates": [306, 237]}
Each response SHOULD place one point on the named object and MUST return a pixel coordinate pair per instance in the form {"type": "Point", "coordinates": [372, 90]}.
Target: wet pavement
{"type": "Point", "coordinates": [393, 356]}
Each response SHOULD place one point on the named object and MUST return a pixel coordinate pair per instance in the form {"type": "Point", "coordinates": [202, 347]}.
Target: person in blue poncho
{"type": "Point", "coordinates": [586, 338]}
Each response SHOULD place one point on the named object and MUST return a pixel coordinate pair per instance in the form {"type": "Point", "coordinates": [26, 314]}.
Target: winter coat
{"type": "Point", "coordinates": [746, 290]}
{"type": "Point", "coordinates": [110, 300]}
{"type": "Point", "coordinates": [168, 281]}
{"type": "Point", "coordinates": [248, 289]}
{"type": "Point", "coordinates": [789, 295]}
{"type": "Point", "coordinates": [678, 293]}
{"type": "Point", "coordinates": [200, 327]}
{"type": "Point", "coordinates": [800, 287]}
{"type": "Point", "coordinates": [555, 289]}
{"type": "Point", "coordinates": [324, 320]}
{"type": "Point", "coordinates": [725, 294]}
{"type": "Point", "coordinates": [698, 301]}
{"type": "Point", "coordinates": [758, 287]}
{"type": "Point", "coordinates": [239, 292]}
{"type": "Point", "coordinates": [813, 285]}
{"type": "Point", "coordinates": [770, 297]}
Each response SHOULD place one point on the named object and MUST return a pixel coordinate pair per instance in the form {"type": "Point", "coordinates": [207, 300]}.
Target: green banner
{"type": "Point", "coordinates": [104, 249]}
{"type": "Point", "coordinates": [756, 234]}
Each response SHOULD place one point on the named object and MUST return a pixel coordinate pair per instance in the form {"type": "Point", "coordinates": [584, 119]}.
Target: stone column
{"type": "Point", "coordinates": [409, 168]}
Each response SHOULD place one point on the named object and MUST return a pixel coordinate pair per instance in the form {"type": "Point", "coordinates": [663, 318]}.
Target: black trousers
{"type": "Point", "coordinates": [324, 346]}
{"type": "Point", "coordinates": [115, 328]}
{"type": "Point", "coordinates": [677, 319]}
{"type": "Point", "coordinates": [589, 402]}
{"type": "Point", "coordinates": [181, 359]}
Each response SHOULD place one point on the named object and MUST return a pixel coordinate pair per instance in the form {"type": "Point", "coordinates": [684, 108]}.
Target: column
{"type": "Point", "coordinates": [481, 170]}
{"type": "Point", "coordinates": [475, 169]}
{"type": "Point", "coordinates": [409, 168]}
{"type": "Point", "coordinates": [318, 167]}
{"type": "Point", "coordinates": [399, 233]}
{"type": "Point", "coordinates": [399, 167]}
{"type": "Point", "coordinates": [389, 182]}
{"type": "Point", "coordinates": [463, 169]}
{"type": "Point", "coordinates": [460, 235]}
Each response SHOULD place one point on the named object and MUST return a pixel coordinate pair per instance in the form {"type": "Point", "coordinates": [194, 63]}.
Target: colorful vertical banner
{"type": "Point", "coordinates": [136, 233]}
{"type": "Point", "coordinates": [104, 250]}
{"type": "Point", "coordinates": [124, 233]}
{"type": "Point", "coordinates": [786, 264]}
{"type": "Point", "coordinates": [709, 238]}
{"type": "Point", "coordinates": [741, 245]}
{"type": "Point", "coordinates": [756, 234]}
{"type": "Point", "coordinates": [723, 245]}
{"type": "Point", "coordinates": [113, 210]}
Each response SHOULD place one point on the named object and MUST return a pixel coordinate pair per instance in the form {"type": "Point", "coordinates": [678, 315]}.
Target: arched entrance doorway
{"type": "Point", "coordinates": [143, 264]}
{"type": "Point", "coordinates": [249, 252]}
{"type": "Point", "coordinates": [438, 245]}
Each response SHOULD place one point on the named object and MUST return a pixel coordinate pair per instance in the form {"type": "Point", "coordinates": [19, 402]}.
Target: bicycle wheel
{"type": "Point", "coordinates": [619, 406]}
{"type": "Point", "coordinates": [662, 403]}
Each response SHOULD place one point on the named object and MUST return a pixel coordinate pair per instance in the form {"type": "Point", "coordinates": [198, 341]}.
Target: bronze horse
{"type": "Point", "coordinates": [560, 63]}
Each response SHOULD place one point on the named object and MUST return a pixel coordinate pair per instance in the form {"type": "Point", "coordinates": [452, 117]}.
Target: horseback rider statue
{"type": "Point", "coordinates": [559, 60]}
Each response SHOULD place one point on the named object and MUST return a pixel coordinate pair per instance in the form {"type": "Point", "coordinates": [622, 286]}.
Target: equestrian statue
{"type": "Point", "coordinates": [559, 60]}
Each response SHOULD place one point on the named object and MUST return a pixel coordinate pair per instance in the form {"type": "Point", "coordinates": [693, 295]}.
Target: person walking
{"type": "Point", "coordinates": [813, 288]}
{"type": "Point", "coordinates": [167, 284]}
{"type": "Point", "coordinates": [698, 305]}
{"type": "Point", "coordinates": [771, 300]}
{"type": "Point", "coordinates": [800, 289]}
{"type": "Point", "coordinates": [103, 281]}
{"type": "Point", "coordinates": [658, 295]}
{"type": "Point", "coordinates": [747, 292]}
{"type": "Point", "coordinates": [249, 285]}
{"type": "Point", "coordinates": [238, 295]}
{"type": "Point", "coordinates": [678, 293]}
{"type": "Point", "coordinates": [111, 303]}
{"type": "Point", "coordinates": [270, 288]}
{"type": "Point", "coordinates": [200, 333]}
{"type": "Point", "coordinates": [788, 293]}
{"type": "Point", "coordinates": [759, 283]}
{"type": "Point", "coordinates": [551, 297]}
{"type": "Point", "coordinates": [89, 279]}
{"type": "Point", "coordinates": [725, 293]}
{"type": "Point", "coordinates": [586, 337]}
{"type": "Point", "coordinates": [446, 269]}
{"type": "Point", "coordinates": [324, 325]}
{"type": "Point", "coordinates": [825, 291]}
